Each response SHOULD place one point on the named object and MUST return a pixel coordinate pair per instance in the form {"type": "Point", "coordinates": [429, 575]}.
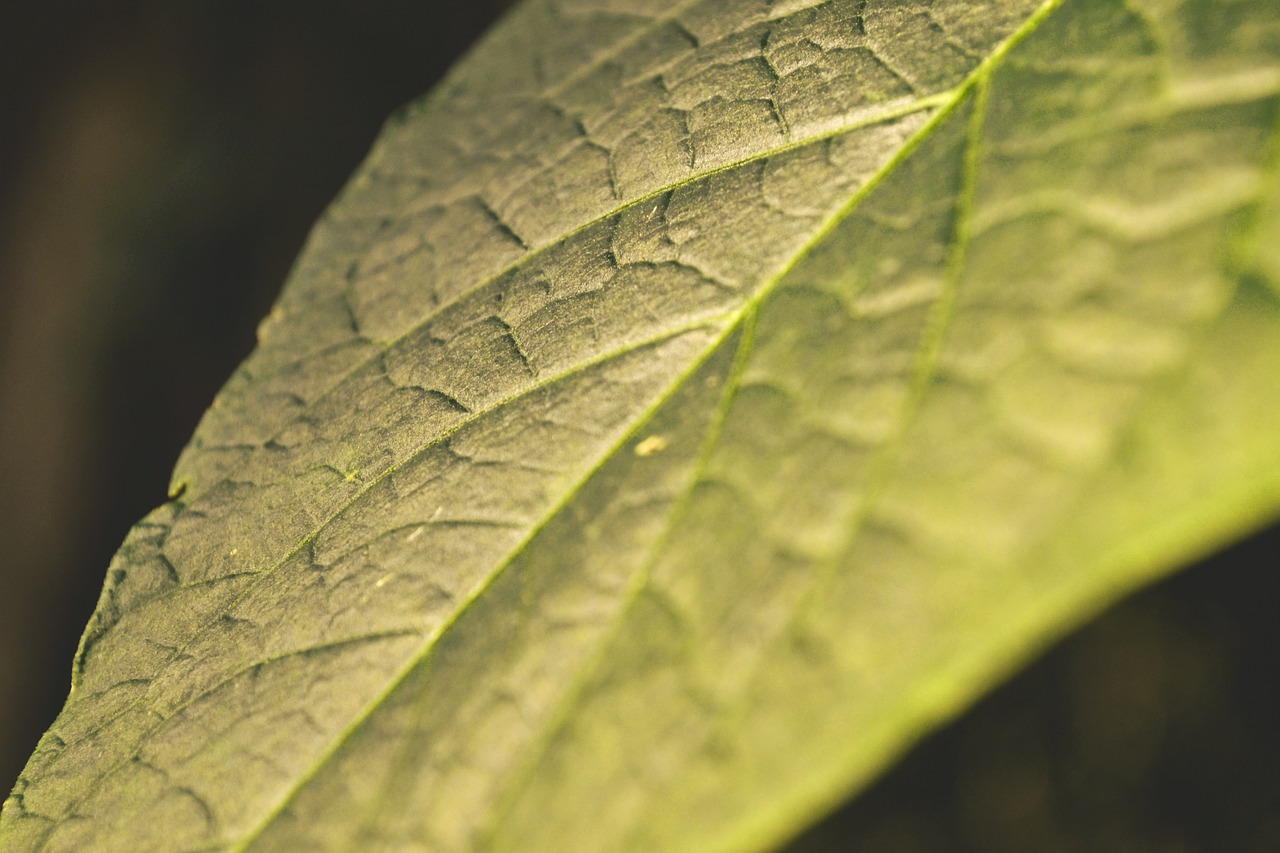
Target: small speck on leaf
{"type": "Point", "coordinates": [651, 445]}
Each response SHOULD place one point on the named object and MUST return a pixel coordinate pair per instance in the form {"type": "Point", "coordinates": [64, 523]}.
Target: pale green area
{"type": "Point", "coordinates": [682, 410]}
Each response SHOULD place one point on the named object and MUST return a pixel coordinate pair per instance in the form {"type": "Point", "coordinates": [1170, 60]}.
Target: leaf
{"type": "Point", "coordinates": [684, 408]}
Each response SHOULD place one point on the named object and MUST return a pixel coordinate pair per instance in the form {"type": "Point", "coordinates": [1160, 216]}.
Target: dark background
{"type": "Point", "coordinates": [160, 164]}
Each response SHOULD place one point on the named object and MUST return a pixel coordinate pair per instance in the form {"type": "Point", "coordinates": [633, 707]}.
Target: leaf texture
{"type": "Point", "coordinates": [683, 408]}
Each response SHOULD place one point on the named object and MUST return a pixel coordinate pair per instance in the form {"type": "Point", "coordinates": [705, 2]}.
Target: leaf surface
{"type": "Point", "coordinates": [681, 410]}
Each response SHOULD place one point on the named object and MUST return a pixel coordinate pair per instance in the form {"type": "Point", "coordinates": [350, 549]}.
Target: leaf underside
{"type": "Point", "coordinates": [684, 408]}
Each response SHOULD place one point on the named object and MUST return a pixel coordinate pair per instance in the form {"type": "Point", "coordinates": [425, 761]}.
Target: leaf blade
{"type": "Point", "coordinates": [488, 388]}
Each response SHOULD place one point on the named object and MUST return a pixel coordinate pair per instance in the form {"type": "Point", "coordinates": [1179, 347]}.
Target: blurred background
{"type": "Point", "coordinates": [160, 165]}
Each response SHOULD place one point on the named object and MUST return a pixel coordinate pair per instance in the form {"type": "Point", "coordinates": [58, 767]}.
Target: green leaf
{"type": "Point", "coordinates": [684, 408]}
